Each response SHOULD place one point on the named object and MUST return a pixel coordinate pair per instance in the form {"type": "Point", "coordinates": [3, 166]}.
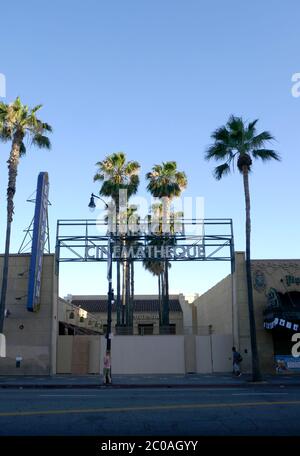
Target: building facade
{"type": "Point", "coordinates": [145, 313]}
{"type": "Point", "coordinates": [276, 293]}
{"type": "Point", "coordinates": [65, 335]}
{"type": "Point", "coordinates": [31, 337]}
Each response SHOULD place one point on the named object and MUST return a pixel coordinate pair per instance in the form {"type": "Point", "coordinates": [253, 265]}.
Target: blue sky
{"type": "Point", "coordinates": [154, 79]}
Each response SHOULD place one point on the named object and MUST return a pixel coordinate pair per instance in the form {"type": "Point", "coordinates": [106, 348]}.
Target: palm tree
{"type": "Point", "coordinates": [166, 182]}
{"type": "Point", "coordinates": [17, 122]}
{"type": "Point", "coordinates": [131, 219]}
{"type": "Point", "coordinates": [155, 266]}
{"type": "Point", "coordinates": [239, 142]}
{"type": "Point", "coordinates": [157, 269]}
{"type": "Point", "coordinates": [117, 174]}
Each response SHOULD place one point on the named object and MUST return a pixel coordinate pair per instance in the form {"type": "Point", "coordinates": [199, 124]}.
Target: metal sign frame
{"type": "Point", "coordinates": [209, 240]}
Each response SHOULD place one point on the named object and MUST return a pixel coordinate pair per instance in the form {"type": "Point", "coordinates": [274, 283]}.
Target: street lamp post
{"type": "Point", "coordinates": [110, 294]}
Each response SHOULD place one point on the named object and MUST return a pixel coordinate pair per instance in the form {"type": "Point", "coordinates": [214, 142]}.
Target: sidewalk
{"type": "Point", "coordinates": [147, 381]}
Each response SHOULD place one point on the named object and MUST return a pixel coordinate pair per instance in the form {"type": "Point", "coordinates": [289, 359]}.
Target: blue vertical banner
{"type": "Point", "coordinates": [38, 243]}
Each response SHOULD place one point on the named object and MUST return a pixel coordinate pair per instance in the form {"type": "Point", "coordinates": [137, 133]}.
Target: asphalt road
{"type": "Point", "coordinates": [133, 412]}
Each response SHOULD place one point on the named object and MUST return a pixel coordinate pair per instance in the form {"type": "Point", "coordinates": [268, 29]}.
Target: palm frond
{"type": "Point", "coordinates": [235, 124]}
{"type": "Point", "coordinates": [251, 125]}
{"type": "Point", "coordinates": [266, 154]}
{"type": "Point", "coordinates": [36, 108]}
{"type": "Point", "coordinates": [165, 180]}
{"type": "Point", "coordinates": [19, 119]}
{"type": "Point", "coordinates": [5, 133]}
{"type": "Point", "coordinates": [170, 167]}
{"type": "Point", "coordinates": [3, 112]}
{"type": "Point", "coordinates": [221, 134]}
{"type": "Point", "coordinates": [132, 167]}
{"type": "Point", "coordinates": [221, 171]}
{"type": "Point", "coordinates": [117, 174]}
{"type": "Point", "coordinates": [47, 127]}
{"type": "Point", "coordinates": [259, 140]}
{"type": "Point", "coordinates": [218, 151]}
{"type": "Point", "coordinates": [17, 103]}
{"type": "Point", "coordinates": [238, 140]}
{"type": "Point", "coordinates": [109, 188]}
{"type": "Point", "coordinates": [132, 186]}
{"type": "Point", "coordinates": [99, 177]}
{"type": "Point", "coordinates": [22, 149]}
{"type": "Point", "coordinates": [41, 141]}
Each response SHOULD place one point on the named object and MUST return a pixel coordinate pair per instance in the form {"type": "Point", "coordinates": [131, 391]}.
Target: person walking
{"type": "Point", "coordinates": [236, 361]}
{"type": "Point", "coordinates": [107, 368]}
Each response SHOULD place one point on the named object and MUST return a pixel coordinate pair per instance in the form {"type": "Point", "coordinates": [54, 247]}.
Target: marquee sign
{"type": "Point", "coordinates": [147, 252]}
{"type": "Point", "coordinates": [87, 241]}
{"type": "Point", "coordinates": [38, 243]}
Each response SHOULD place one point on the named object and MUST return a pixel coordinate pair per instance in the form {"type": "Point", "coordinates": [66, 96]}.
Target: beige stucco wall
{"type": "Point", "coordinates": [213, 353]}
{"type": "Point", "coordinates": [146, 354]}
{"type": "Point", "coordinates": [36, 343]}
{"type": "Point", "coordinates": [189, 312]}
{"type": "Point", "coordinates": [215, 307]}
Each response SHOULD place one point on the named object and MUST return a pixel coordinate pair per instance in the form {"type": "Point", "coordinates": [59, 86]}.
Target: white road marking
{"type": "Point", "coordinates": [68, 395]}
{"type": "Point", "coordinates": [259, 394]}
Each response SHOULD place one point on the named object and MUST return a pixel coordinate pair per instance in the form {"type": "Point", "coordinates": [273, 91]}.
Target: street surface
{"type": "Point", "coordinates": [265, 410]}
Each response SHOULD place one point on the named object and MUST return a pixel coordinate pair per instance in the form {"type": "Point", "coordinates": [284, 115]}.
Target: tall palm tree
{"type": "Point", "coordinates": [166, 182]}
{"type": "Point", "coordinates": [17, 122]}
{"type": "Point", "coordinates": [116, 174]}
{"type": "Point", "coordinates": [157, 269]}
{"type": "Point", "coordinates": [239, 142]}
{"type": "Point", "coordinates": [131, 219]}
{"type": "Point", "coordinates": [155, 266]}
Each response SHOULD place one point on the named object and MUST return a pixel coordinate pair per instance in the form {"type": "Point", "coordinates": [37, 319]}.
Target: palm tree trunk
{"type": "Point", "coordinates": [166, 225]}
{"type": "Point", "coordinates": [159, 297]}
{"type": "Point", "coordinates": [13, 162]}
{"type": "Point", "coordinates": [162, 294]}
{"type": "Point", "coordinates": [166, 215]}
{"type": "Point", "coordinates": [132, 293]}
{"type": "Point", "coordinates": [11, 190]}
{"type": "Point", "coordinates": [118, 266]}
{"type": "Point", "coordinates": [5, 276]}
{"type": "Point", "coordinates": [256, 374]}
{"type": "Point", "coordinates": [118, 293]}
{"type": "Point", "coordinates": [163, 300]}
{"type": "Point", "coordinates": [123, 291]}
{"type": "Point", "coordinates": [127, 294]}
{"type": "Point", "coordinates": [166, 297]}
